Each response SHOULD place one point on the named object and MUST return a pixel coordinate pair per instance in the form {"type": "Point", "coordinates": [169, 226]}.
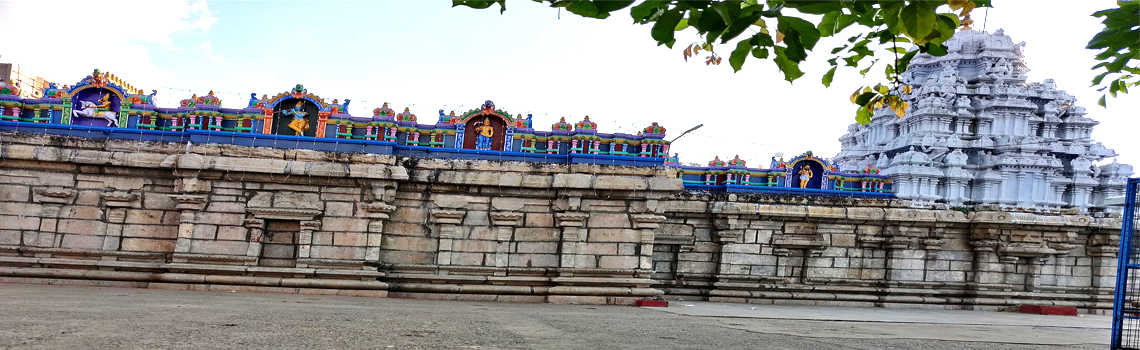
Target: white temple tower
{"type": "Point", "coordinates": [977, 132]}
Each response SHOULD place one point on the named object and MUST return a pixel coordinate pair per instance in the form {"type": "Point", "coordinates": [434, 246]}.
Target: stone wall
{"type": "Point", "coordinates": [204, 217]}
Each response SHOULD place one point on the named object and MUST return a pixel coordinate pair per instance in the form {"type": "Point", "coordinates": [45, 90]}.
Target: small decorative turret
{"type": "Point", "coordinates": [586, 124]}
{"type": "Point", "coordinates": [562, 125]}
{"type": "Point", "coordinates": [406, 116]}
{"type": "Point", "coordinates": [717, 162]}
{"type": "Point", "coordinates": [383, 111]}
{"type": "Point", "coordinates": [655, 129]}
{"type": "Point", "coordinates": [736, 161]}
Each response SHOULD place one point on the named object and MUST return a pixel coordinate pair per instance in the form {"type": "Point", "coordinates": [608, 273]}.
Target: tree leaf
{"type": "Point", "coordinates": [790, 69]}
{"type": "Point", "coordinates": [586, 9]}
{"type": "Point", "coordinates": [643, 12]}
{"type": "Point", "coordinates": [665, 27]}
{"type": "Point", "coordinates": [681, 25]}
{"type": "Point", "coordinates": [917, 20]}
{"type": "Point", "coordinates": [760, 52]}
{"type": "Point", "coordinates": [827, 77]}
{"type": "Point", "coordinates": [736, 59]}
{"type": "Point", "coordinates": [738, 27]}
{"type": "Point", "coordinates": [863, 116]}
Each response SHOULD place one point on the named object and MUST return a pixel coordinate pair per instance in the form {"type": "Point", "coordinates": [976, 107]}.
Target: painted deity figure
{"type": "Point", "coordinates": [486, 132]}
{"type": "Point", "coordinates": [97, 110]}
{"type": "Point", "coordinates": [805, 176]}
{"type": "Point", "coordinates": [299, 123]}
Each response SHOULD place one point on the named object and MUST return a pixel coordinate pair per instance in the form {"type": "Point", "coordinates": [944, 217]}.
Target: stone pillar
{"type": "Point", "coordinates": [305, 239]}
{"type": "Point", "coordinates": [189, 205]}
{"type": "Point", "coordinates": [987, 267]}
{"type": "Point", "coordinates": [504, 223]}
{"type": "Point", "coordinates": [1104, 261]}
{"type": "Point", "coordinates": [729, 232]}
{"type": "Point", "coordinates": [872, 264]}
{"type": "Point", "coordinates": [448, 223]}
{"type": "Point", "coordinates": [256, 228]}
{"type": "Point", "coordinates": [573, 224]}
{"type": "Point", "coordinates": [53, 200]}
{"type": "Point", "coordinates": [117, 204]}
{"type": "Point", "coordinates": [646, 223]}
{"type": "Point", "coordinates": [377, 212]}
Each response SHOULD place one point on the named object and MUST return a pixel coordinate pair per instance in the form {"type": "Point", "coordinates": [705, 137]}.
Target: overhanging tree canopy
{"type": "Point", "coordinates": [776, 30]}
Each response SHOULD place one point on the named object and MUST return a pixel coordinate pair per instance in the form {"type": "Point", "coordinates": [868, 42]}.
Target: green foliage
{"type": "Point", "coordinates": [885, 26]}
{"type": "Point", "coordinates": [1119, 43]}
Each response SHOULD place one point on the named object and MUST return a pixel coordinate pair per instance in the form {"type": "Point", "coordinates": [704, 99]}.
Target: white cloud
{"type": "Point", "coordinates": [109, 35]}
{"type": "Point", "coordinates": [210, 52]}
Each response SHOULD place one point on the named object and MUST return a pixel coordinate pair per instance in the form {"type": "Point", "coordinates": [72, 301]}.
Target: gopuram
{"type": "Point", "coordinates": [980, 133]}
{"type": "Point", "coordinates": [295, 194]}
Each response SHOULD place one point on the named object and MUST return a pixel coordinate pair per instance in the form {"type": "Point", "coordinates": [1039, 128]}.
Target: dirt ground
{"type": "Point", "coordinates": [66, 317]}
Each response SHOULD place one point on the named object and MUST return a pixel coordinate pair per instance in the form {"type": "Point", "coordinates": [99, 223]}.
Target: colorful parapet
{"type": "Point", "coordinates": [802, 174]}
{"type": "Point", "coordinates": [297, 118]}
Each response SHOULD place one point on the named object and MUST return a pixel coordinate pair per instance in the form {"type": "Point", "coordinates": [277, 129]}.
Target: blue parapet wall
{"type": "Point", "coordinates": [688, 174]}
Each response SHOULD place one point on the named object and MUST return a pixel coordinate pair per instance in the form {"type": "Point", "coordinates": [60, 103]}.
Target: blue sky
{"type": "Point", "coordinates": [427, 55]}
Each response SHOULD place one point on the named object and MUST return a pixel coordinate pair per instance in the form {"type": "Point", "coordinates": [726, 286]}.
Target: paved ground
{"type": "Point", "coordinates": [61, 317]}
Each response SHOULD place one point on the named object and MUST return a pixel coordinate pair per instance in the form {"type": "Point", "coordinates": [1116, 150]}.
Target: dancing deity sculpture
{"type": "Point", "coordinates": [299, 123]}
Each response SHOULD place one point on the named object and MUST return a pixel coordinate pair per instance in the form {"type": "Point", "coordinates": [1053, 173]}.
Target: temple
{"type": "Point", "coordinates": [984, 197]}
{"type": "Point", "coordinates": [978, 132]}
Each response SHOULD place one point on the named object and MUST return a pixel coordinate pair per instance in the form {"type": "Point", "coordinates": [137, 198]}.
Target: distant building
{"type": "Point", "coordinates": [978, 132]}
{"type": "Point", "coordinates": [30, 85]}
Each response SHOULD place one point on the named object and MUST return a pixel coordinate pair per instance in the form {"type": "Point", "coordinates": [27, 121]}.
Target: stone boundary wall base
{"type": "Point", "coordinates": [211, 217]}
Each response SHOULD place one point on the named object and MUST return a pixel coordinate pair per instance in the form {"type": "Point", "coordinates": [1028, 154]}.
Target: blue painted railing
{"type": "Point", "coordinates": [1126, 298]}
{"type": "Point", "coordinates": [320, 144]}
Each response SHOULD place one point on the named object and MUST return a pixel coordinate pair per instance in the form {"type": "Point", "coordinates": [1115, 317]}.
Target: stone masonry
{"type": "Point", "coordinates": [223, 217]}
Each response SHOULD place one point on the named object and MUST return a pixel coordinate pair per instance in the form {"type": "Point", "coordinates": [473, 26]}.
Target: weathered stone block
{"type": "Point", "coordinates": [593, 248]}
{"type": "Point", "coordinates": [422, 244]}
{"type": "Point", "coordinates": [614, 235]}
{"type": "Point", "coordinates": [219, 247]}
{"type": "Point", "coordinates": [337, 252]}
{"type": "Point", "coordinates": [409, 214]}
{"type": "Point", "coordinates": [344, 224]}
{"type": "Point", "coordinates": [617, 262]}
{"type": "Point", "coordinates": [203, 231]}
{"type": "Point", "coordinates": [150, 231]}
{"type": "Point", "coordinates": [619, 183]}
{"type": "Point", "coordinates": [405, 229]}
{"type": "Point", "coordinates": [83, 227]}
{"type": "Point", "coordinates": [82, 242]}
{"type": "Point", "coordinates": [572, 180]}
{"type": "Point", "coordinates": [468, 245]}
{"type": "Point", "coordinates": [526, 234]}
{"type": "Point", "coordinates": [9, 222]}
{"type": "Point", "coordinates": [226, 207]}
{"type": "Point", "coordinates": [609, 220]}
{"type": "Point", "coordinates": [233, 233]}
{"type": "Point", "coordinates": [534, 260]}
{"type": "Point", "coordinates": [468, 259]}
{"type": "Point", "coordinates": [15, 193]}
{"type": "Point", "coordinates": [81, 212]}
{"type": "Point", "coordinates": [10, 237]}
{"type": "Point", "coordinates": [406, 257]}
{"type": "Point", "coordinates": [219, 218]}
{"type": "Point", "coordinates": [148, 217]}
{"type": "Point", "coordinates": [345, 209]}
{"type": "Point", "coordinates": [147, 245]}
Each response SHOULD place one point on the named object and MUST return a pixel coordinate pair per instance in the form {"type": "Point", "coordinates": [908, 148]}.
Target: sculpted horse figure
{"type": "Point", "coordinates": [89, 109]}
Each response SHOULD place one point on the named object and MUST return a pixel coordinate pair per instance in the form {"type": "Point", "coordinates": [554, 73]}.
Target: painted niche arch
{"type": "Point", "coordinates": [817, 168]}
{"type": "Point", "coordinates": [281, 120]}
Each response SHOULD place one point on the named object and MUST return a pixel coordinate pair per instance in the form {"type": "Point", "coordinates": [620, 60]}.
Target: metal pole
{"type": "Point", "coordinates": [686, 132]}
